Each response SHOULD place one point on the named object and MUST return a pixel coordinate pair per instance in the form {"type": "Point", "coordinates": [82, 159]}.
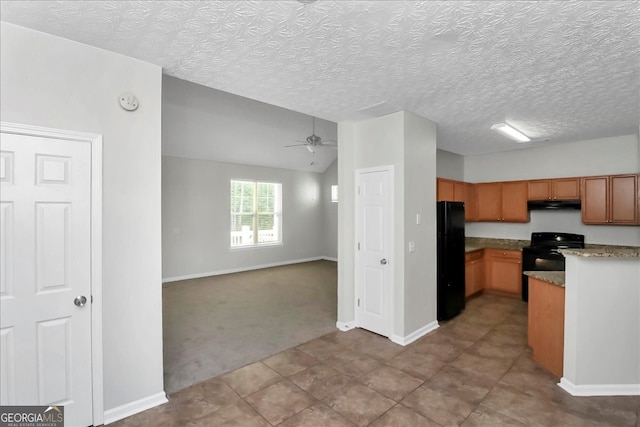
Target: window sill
{"type": "Point", "coordinates": [260, 246]}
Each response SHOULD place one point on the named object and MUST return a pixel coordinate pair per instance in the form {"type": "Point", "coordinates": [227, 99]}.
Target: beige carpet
{"type": "Point", "coordinates": [217, 324]}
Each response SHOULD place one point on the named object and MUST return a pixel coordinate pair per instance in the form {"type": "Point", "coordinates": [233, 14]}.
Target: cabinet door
{"type": "Point", "coordinates": [470, 205]}
{"type": "Point", "coordinates": [623, 200]}
{"type": "Point", "coordinates": [458, 191]}
{"type": "Point", "coordinates": [445, 190]}
{"type": "Point", "coordinates": [566, 189]}
{"type": "Point", "coordinates": [546, 324]}
{"type": "Point", "coordinates": [595, 200]}
{"type": "Point", "coordinates": [474, 273]}
{"type": "Point", "coordinates": [514, 201]}
{"type": "Point", "coordinates": [488, 201]}
{"type": "Point", "coordinates": [504, 271]}
{"type": "Point", "coordinates": [468, 278]}
{"type": "Point", "coordinates": [539, 189]}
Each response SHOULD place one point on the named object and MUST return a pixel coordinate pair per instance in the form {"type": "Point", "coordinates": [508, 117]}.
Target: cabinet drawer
{"type": "Point", "coordinates": [473, 256]}
{"type": "Point", "coordinates": [506, 254]}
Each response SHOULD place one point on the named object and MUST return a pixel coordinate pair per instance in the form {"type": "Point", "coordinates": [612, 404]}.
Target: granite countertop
{"type": "Point", "coordinates": [478, 243]}
{"type": "Point", "coordinates": [603, 251]}
{"type": "Point", "coordinates": [553, 277]}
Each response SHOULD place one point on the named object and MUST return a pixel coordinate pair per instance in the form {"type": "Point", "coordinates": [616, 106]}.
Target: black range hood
{"type": "Point", "coordinates": [553, 204]}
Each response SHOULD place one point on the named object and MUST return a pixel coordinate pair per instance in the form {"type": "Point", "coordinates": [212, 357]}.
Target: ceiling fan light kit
{"type": "Point", "coordinates": [313, 141]}
{"type": "Point", "coordinates": [510, 132]}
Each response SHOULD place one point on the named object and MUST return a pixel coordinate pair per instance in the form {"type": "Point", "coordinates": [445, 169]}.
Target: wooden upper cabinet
{"type": "Point", "coordinates": [539, 189]}
{"type": "Point", "coordinates": [554, 189]}
{"type": "Point", "coordinates": [566, 189]}
{"type": "Point", "coordinates": [445, 190]}
{"type": "Point", "coordinates": [458, 191]}
{"type": "Point", "coordinates": [502, 201]}
{"type": "Point", "coordinates": [450, 190]}
{"type": "Point", "coordinates": [489, 201]}
{"type": "Point", "coordinates": [595, 195]}
{"type": "Point", "coordinates": [623, 199]}
{"type": "Point", "coordinates": [610, 199]}
{"type": "Point", "coordinates": [470, 205]}
{"type": "Point", "coordinates": [514, 202]}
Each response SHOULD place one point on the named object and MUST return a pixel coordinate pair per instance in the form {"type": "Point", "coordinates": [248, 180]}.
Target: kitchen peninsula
{"type": "Point", "coordinates": [600, 325]}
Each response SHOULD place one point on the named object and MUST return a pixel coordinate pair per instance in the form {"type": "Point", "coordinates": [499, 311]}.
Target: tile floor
{"type": "Point", "coordinates": [475, 370]}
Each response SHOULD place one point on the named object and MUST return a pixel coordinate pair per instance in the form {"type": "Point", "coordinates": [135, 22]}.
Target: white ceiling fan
{"type": "Point", "coordinates": [313, 141]}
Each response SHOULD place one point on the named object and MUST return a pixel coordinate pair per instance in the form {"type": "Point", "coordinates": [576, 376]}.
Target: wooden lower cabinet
{"type": "Point", "coordinates": [546, 324]}
{"type": "Point", "coordinates": [504, 271]}
{"type": "Point", "coordinates": [474, 272]}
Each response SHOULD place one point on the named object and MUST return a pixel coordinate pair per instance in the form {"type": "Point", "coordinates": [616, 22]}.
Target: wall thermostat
{"type": "Point", "coordinates": [128, 101]}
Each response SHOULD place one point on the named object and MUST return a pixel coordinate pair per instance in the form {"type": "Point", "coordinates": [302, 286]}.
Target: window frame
{"type": "Point", "coordinates": [277, 215]}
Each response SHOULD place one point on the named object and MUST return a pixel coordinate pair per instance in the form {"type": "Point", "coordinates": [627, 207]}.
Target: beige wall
{"type": "Point", "coordinates": [53, 82]}
{"type": "Point", "coordinates": [195, 218]}
{"type": "Point", "coordinates": [407, 143]}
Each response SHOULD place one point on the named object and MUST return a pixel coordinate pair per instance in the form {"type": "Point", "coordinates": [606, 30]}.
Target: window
{"type": "Point", "coordinates": [256, 209]}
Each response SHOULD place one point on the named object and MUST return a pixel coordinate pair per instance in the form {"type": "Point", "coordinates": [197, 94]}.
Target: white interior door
{"type": "Point", "coordinates": [45, 338]}
{"type": "Point", "coordinates": [373, 249]}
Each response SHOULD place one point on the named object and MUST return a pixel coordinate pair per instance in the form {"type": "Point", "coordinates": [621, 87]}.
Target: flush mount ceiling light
{"type": "Point", "coordinates": [510, 132]}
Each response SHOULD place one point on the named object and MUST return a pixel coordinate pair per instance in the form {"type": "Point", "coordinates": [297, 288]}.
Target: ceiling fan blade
{"type": "Point", "coordinates": [296, 145]}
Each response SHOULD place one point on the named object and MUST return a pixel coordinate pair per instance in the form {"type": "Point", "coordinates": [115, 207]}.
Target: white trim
{"type": "Point", "coordinates": [328, 258]}
{"type": "Point", "coordinates": [415, 334]}
{"type": "Point", "coordinates": [599, 389]}
{"type": "Point", "coordinates": [346, 326]}
{"type": "Point", "coordinates": [135, 407]}
{"type": "Point", "coordinates": [96, 246]}
{"type": "Point", "coordinates": [238, 270]}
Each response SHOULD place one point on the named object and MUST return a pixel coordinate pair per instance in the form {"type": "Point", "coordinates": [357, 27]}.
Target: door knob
{"type": "Point", "coordinates": [383, 261]}
{"type": "Point", "coordinates": [80, 301]}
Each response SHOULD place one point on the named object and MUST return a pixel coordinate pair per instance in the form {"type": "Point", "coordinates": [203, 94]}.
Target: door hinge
{"type": "Point", "coordinates": [358, 245]}
{"type": "Point", "coordinates": [358, 190]}
{"type": "Point", "coordinates": [358, 302]}
{"type": "Point", "coordinates": [91, 299]}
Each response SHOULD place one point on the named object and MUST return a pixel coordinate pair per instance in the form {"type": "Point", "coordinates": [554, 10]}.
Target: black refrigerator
{"type": "Point", "coordinates": [450, 259]}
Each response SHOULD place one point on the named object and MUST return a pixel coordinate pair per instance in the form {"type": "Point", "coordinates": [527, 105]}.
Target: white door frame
{"type": "Point", "coordinates": [96, 246]}
{"type": "Point", "coordinates": [358, 279]}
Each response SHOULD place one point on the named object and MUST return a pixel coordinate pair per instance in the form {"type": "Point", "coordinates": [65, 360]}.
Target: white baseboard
{"type": "Point", "coordinates": [599, 389]}
{"type": "Point", "coordinates": [415, 335]}
{"type": "Point", "coordinates": [346, 326]}
{"type": "Point", "coordinates": [132, 408]}
{"type": "Point", "coordinates": [241, 269]}
{"type": "Point", "coordinates": [328, 258]}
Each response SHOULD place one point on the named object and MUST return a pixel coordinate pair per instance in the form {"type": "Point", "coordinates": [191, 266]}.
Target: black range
{"type": "Point", "coordinates": [544, 254]}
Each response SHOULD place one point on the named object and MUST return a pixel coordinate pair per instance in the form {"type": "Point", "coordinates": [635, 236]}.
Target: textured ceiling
{"type": "Point", "coordinates": [563, 71]}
